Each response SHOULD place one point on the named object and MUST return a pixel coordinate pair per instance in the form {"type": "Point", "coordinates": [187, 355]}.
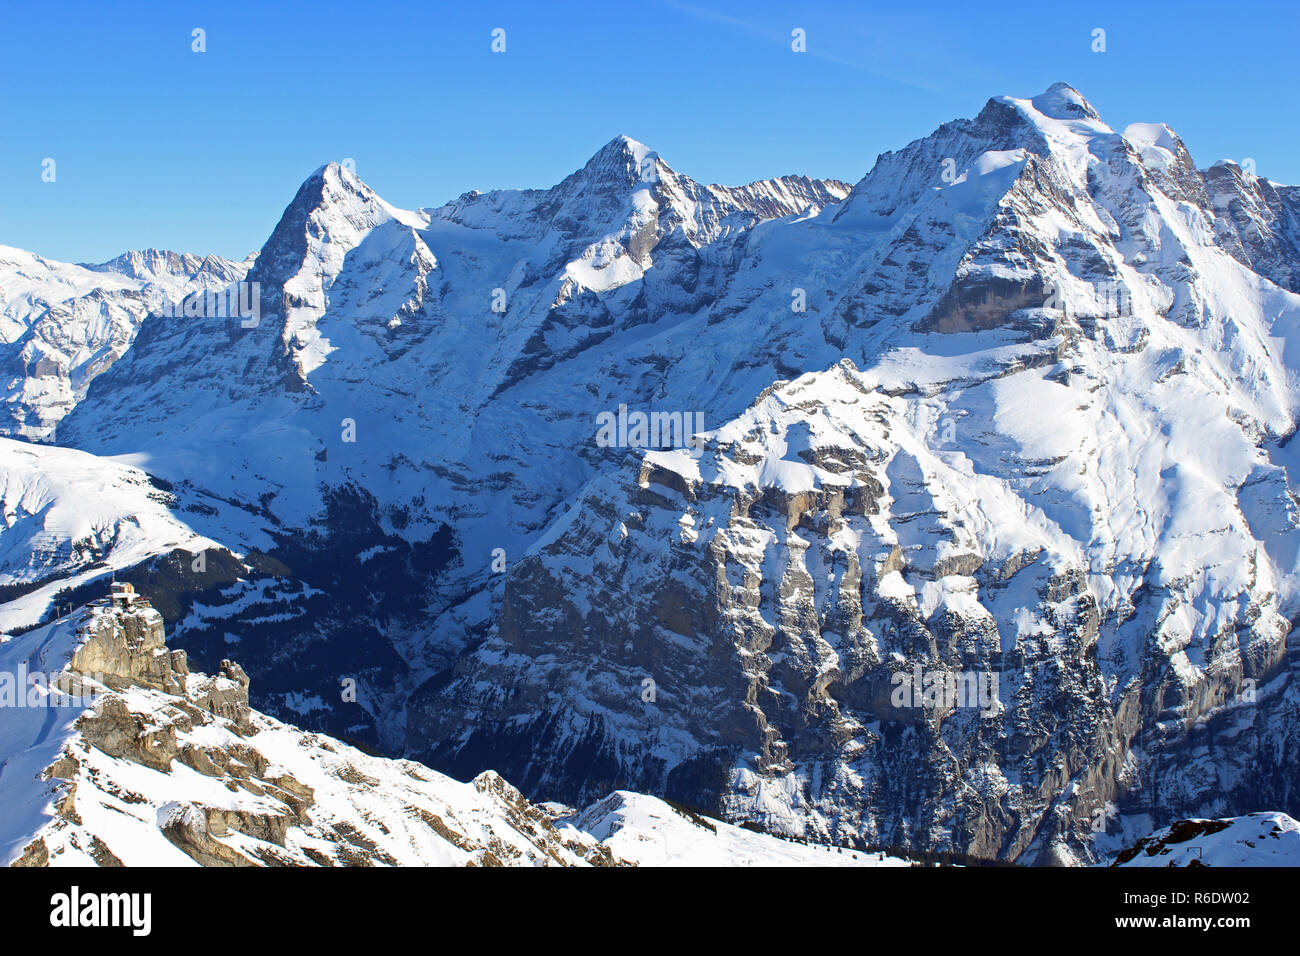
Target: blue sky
{"type": "Point", "coordinates": [156, 145]}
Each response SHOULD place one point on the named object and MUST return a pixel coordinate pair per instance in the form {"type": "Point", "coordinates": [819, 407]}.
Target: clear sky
{"type": "Point", "coordinates": [157, 145]}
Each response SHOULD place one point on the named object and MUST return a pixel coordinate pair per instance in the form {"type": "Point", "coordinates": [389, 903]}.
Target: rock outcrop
{"type": "Point", "coordinates": [167, 766]}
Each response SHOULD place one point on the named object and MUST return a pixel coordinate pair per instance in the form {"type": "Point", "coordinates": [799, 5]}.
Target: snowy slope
{"type": "Point", "coordinates": [172, 768]}
{"type": "Point", "coordinates": [33, 736]}
{"type": "Point", "coordinates": [652, 833]}
{"type": "Point", "coordinates": [1257, 839]}
{"type": "Point", "coordinates": [70, 517]}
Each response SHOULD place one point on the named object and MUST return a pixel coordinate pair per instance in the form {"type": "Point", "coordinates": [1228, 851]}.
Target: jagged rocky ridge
{"type": "Point", "coordinates": [171, 767]}
{"type": "Point", "coordinates": [126, 757]}
{"type": "Point", "coordinates": [1070, 344]}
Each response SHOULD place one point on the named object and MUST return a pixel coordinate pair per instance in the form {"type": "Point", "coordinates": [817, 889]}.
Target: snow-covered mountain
{"type": "Point", "coordinates": [1016, 408]}
{"type": "Point", "coordinates": [113, 753]}
{"type": "Point", "coordinates": [382, 428]}
{"type": "Point", "coordinates": [62, 324]}
{"type": "Point", "coordinates": [1061, 468]}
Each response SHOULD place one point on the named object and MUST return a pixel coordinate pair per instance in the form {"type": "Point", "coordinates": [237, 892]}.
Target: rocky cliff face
{"type": "Point", "coordinates": [776, 594]}
{"type": "Point", "coordinates": [140, 761]}
{"type": "Point", "coordinates": [1258, 221]}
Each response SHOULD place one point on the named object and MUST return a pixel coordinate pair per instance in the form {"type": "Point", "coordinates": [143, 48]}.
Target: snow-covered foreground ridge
{"type": "Point", "coordinates": [112, 752]}
{"type": "Point", "coordinates": [1257, 839]}
{"type": "Point", "coordinates": [1016, 410]}
{"type": "Point", "coordinates": [71, 518]}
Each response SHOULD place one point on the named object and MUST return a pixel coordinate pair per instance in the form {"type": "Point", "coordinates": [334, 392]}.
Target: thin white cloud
{"type": "Point", "coordinates": [776, 36]}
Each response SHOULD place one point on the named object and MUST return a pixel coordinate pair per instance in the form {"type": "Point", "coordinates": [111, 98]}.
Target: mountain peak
{"type": "Point", "coordinates": [1062, 101]}
{"type": "Point", "coordinates": [624, 160]}
{"type": "Point", "coordinates": [1053, 111]}
{"type": "Point", "coordinates": [333, 181]}
{"type": "Point", "coordinates": [332, 202]}
{"type": "Point", "coordinates": [623, 144]}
